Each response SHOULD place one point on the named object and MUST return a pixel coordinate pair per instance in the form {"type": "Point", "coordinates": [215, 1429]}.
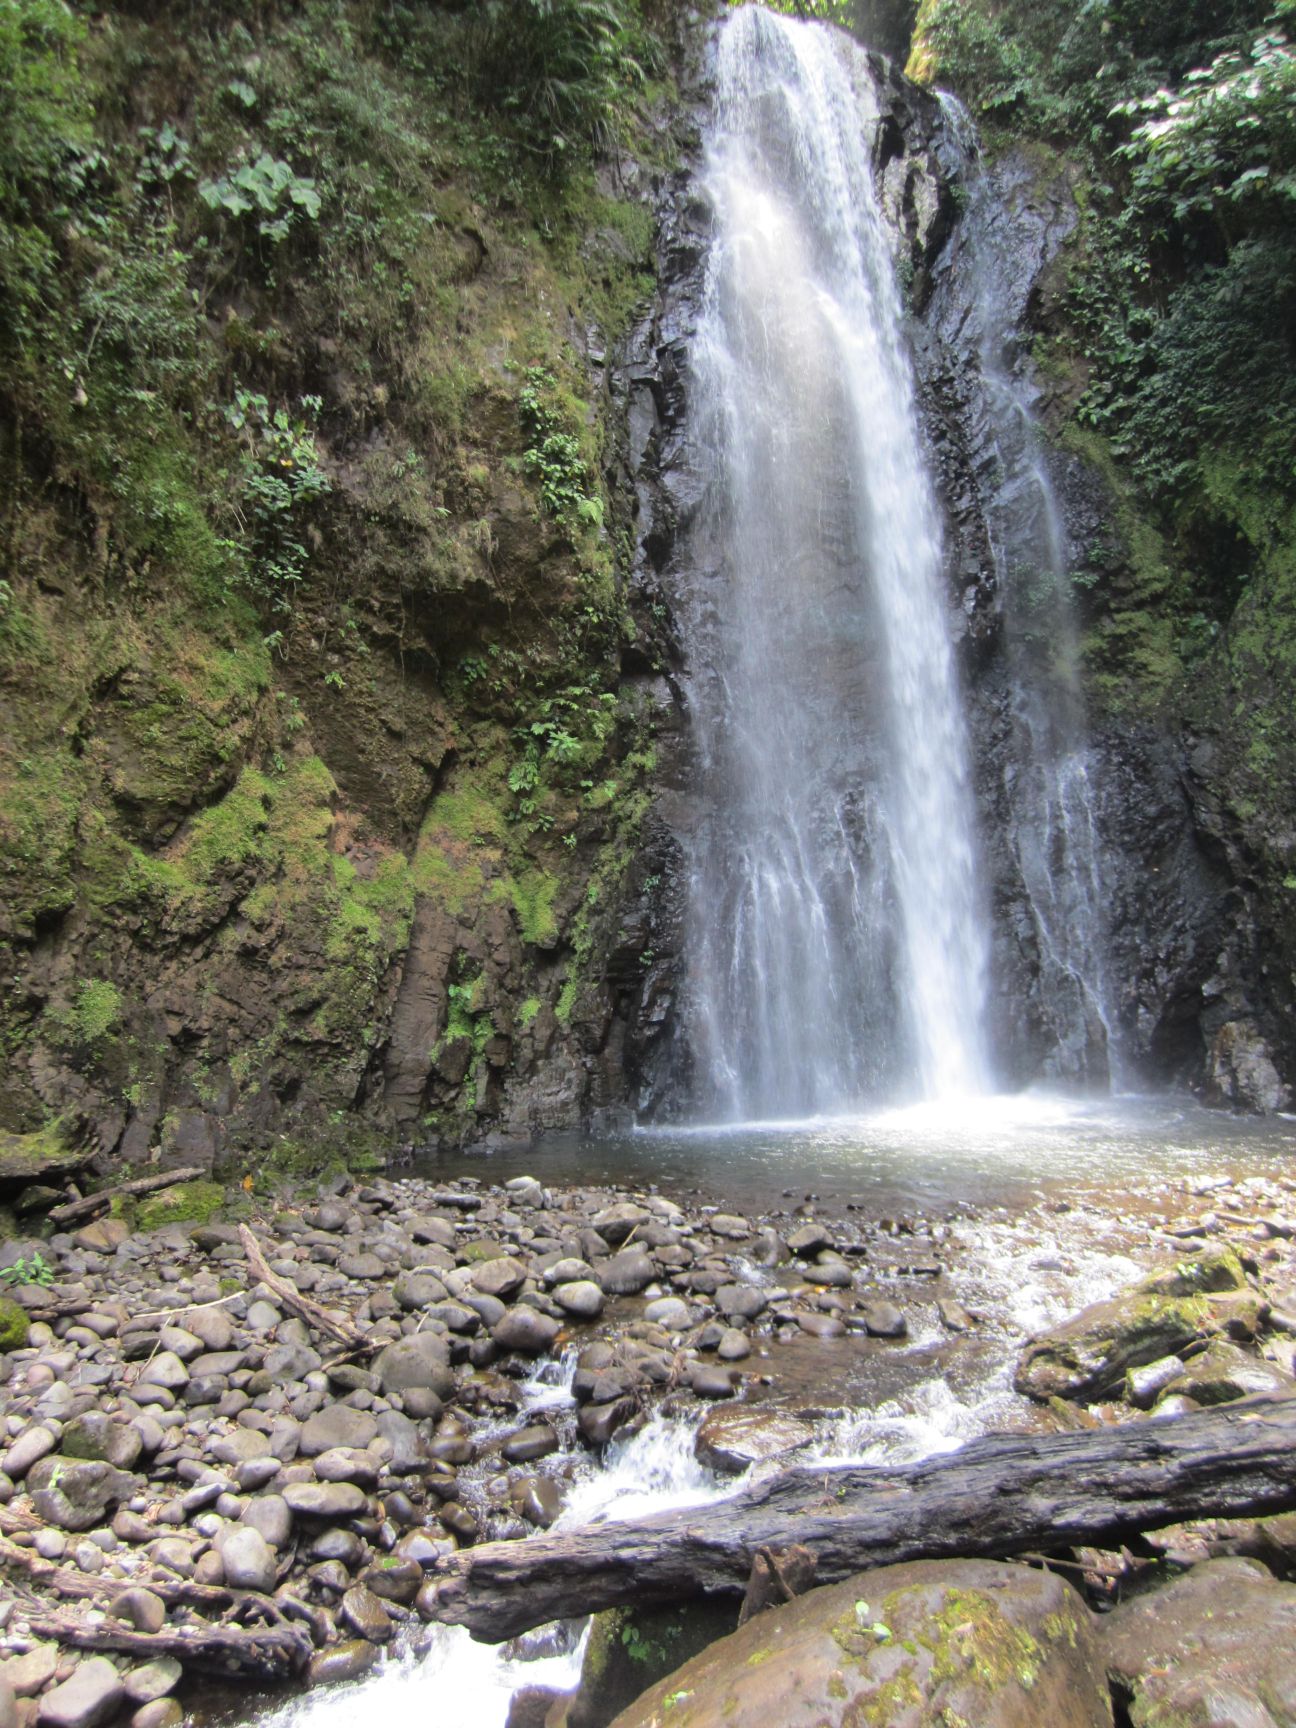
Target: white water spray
{"type": "Point", "coordinates": [837, 949]}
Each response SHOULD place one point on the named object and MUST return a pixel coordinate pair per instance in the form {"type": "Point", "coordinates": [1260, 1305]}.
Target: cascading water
{"type": "Point", "coordinates": [1052, 827]}
{"type": "Point", "coordinates": [837, 953]}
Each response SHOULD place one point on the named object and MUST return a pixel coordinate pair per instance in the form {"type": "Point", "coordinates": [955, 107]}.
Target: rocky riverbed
{"type": "Point", "coordinates": [241, 1449]}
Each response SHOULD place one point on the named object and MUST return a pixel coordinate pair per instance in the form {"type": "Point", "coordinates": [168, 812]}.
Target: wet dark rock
{"type": "Point", "coordinates": [366, 1615]}
{"type": "Point", "coordinates": [599, 1422]}
{"type": "Point", "coordinates": [394, 1578]}
{"type": "Point", "coordinates": [459, 1521]}
{"type": "Point", "coordinates": [538, 1499]}
{"type": "Point", "coordinates": [733, 1438]}
{"type": "Point", "coordinates": [345, 1661]}
{"type": "Point", "coordinates": [530, 1444]}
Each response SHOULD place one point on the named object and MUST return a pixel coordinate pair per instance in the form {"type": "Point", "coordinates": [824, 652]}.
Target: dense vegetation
{"type": "Point", "coordinates": [313, 595]}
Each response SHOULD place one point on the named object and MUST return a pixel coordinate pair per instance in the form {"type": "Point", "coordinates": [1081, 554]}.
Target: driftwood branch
{"type": "Point", "coordinates": [321, 1319]}
{"type": "Point", "coordinates": [73, 1210]}
{"type": "Point", "coordinates": [251, 1652]}
{"type": "Point", "coordinates": [1004, 1495]}
{"type": "Point", "coordinates": [76, 1586]}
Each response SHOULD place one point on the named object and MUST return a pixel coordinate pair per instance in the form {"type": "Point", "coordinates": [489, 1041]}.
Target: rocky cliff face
{"type": "Point", "coordinates": [1188, 999]}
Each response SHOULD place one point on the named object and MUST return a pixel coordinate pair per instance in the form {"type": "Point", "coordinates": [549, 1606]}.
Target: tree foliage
{"type": "Point", "coordinates": [1224, 142]}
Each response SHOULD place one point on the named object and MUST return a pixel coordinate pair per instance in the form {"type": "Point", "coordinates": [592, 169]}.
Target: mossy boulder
{"type": "Point", "coordinates": [1213, 1271]}
{"type": "Point", "coordinates": [27, 1157]}
{"type": "Point", "coordinates": [14, 1325]}
{"type": "Point", "coordinates": [186, 1203]}
{"type": "Point", "coordinates": [1089, 1355]}
{"type": "Point", "coordinates": [928, 1644]}
{"type": "Point", "coordinates": [1222, 1373]}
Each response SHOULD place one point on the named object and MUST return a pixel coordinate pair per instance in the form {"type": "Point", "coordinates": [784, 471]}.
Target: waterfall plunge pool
{"type": "Point", "coordinates": [1005, 1150]}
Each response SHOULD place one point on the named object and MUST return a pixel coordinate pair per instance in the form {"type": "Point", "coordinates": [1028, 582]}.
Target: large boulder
{"type": "Point", "coordinates": [1213, 1649]}
{"type": "Point", "coordinates": [923, 1645]}
{"type": "Point", "coordinates": [1089, 1355]}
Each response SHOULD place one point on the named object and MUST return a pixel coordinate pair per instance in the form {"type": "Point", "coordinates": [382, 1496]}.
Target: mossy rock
{"type": "Point", "coordinates": [27, 1157]}
{"type": "Point", "coordinates": [1089, 1355]}
{"type": "Point", "coordinates": [929, 1644]}
{"type": "Point", "coordinates": [15, 1327]}
{"type": "Point", "coordinates": [186, 1203]}
{"type": "Point", "coordinates": [1211, 1272]}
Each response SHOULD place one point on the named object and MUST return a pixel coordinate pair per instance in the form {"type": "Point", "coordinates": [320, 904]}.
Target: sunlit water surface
{"type": "Point", "coordinates": [1006, 1150]}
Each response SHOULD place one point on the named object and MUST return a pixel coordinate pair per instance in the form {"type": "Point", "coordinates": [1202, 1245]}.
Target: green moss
{"type": "Point", "coordinates": [528, 1010]}
{"type": "Point", "coordinates": [26, 1157]}
{"type": "Point", "coordinates": [95, 1011]}
{"type": "Point", "coordinates": [533, 892]}
{"type": "Point", "coordinates": [185, 1203]}
{"type": "Point", "coordinates": [14, 1325]}
{"type": "Point", "coordinates": [976, 1638]}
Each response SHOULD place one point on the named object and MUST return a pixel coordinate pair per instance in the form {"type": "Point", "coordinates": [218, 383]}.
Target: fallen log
{"type": "Point", "coordinates": [999, 1496]}
{"type": "Point", "coordinates": [72, 1210]}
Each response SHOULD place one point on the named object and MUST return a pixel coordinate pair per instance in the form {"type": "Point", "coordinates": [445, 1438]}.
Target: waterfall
{"type": "Point", "coordinates": [1049, 775]}
{"type": "Point", "coordinates": [837, 952]}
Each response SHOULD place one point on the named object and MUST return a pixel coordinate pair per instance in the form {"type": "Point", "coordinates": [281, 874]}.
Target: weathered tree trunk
{"type": "Point", "coordinates": [998, 1496]}
{"type": "Point", "coordinates": [72, 1211]}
